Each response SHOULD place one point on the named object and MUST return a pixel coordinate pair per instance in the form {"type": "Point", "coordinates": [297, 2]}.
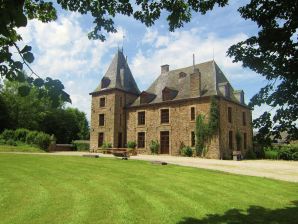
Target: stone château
{"type": "Point", "coordinates": [167, 110]}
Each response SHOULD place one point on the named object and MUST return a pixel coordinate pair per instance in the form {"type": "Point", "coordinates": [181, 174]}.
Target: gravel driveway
{"type": "Point", "coordinates": [280, 170]}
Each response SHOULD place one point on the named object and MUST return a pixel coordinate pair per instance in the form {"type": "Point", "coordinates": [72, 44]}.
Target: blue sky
{"type": "Point", "coordinates": [63, 51]}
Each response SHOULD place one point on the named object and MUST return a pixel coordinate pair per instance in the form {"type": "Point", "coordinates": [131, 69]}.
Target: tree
{"type": "Point", "coordinates": [273, 53]}
{"type": "Point", "coordinates": [81, 119]}
{"type": "Point", "coordinates": [15, 13]}
{"type": "Point", "coordinates": [23, 111]}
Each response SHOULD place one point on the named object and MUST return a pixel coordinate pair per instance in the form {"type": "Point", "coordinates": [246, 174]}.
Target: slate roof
{"type": "Point", "coordinates": [118, 76]}
{"type": "Point", "coordinates": [179, 79]}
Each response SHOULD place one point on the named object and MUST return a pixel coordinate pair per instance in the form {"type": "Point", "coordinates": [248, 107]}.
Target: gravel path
{"type": "Point", "coordinates": [280, 170]}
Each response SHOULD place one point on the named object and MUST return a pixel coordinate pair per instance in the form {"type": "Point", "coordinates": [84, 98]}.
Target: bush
{"type": "Point", "coordinates": [21, 134]}
{"type": "Point", "coordinates": [30, 138]}
{"type": "Point", "coordinates": [271, 154]}
{"type": "Point", "coordinates": [250, 154]}
{"type": "Point", "coordinates": [131, 144]}
{"type": "Point", "coordinates": [288, 152]}
{"type": "Point", "coordinates": [106, 145]}
{"type": "Point", "coordinates": [42, 140]}
{"type": "Point", "coordinates": [8, 135]}
{"type": "Point", "coordinates": [11, 142]}
{"type": "Point", "coordinates": [81, 145]}
{"type": "Point", "coordinates": [154, 146]}
{"type": "Point", "coordinates": [186, 151]}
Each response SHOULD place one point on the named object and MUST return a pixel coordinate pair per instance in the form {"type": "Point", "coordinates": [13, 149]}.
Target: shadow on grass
{"type": "Point", "coordinates": [254, 214]}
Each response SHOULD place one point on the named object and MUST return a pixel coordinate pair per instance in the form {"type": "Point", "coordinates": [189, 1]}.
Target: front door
{"type": "Point", "coordinates": [164, 142]}
{"type": "Point", "coordinates": [120, 140]}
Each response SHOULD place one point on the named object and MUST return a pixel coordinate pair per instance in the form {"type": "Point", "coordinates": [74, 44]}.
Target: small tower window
{"type": "Point", "coordinates": [102, 102]}
{"type": "Point", "coordinates": [230, 114]}
{"type": "Point", "coordinates": [193, 139]}
{"type": "Point", "coordinates": [192, 113]}
{"type": "Point", "coordinates": [101, 120]}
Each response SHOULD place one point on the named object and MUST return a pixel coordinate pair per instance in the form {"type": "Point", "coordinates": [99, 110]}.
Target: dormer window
{"type": "Point", "coordinates": [182, 75]}
{"type": "Point", "coordinates": [105, 82]}
{"type": "Point", "coordinates": [146, 97]}
{"type": "Point", "coordinates": [168, 94]}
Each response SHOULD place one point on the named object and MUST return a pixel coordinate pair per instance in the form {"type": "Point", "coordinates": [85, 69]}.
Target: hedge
{"type": "Point", "coordinates": [40, 139]}
{"type": "Point", "coordinates": [81, 145]}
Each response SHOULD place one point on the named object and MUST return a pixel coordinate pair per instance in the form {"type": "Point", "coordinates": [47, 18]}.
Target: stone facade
{"type": "Point", "coordinates": [184, 93]}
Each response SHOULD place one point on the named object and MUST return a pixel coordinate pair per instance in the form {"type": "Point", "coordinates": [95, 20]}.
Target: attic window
{"type": "Point", "coordinates": [146, 97]}
{"type": "Point", "coordinates": [105, 82]}
{"type": "Point", "coordinates": [168, 94]}
{"type": "Point", "coordinates": [182, 75]}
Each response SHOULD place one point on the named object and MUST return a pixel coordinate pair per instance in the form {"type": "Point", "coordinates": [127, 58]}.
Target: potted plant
{"type": "Point", "coordinates": [131, 145]}
{"type": "Point", "coordinates": [154, 146]}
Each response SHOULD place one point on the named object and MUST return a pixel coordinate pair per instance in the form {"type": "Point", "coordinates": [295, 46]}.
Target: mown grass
{"type": "Point", "coordinates": [58, 189]}
{"type": "Point", "coordinates": [20, 147]}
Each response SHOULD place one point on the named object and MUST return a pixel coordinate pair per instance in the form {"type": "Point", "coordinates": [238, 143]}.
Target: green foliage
{"type": "Point", "coordinates": [284, 152]}
{"type": "Point", "coordinates": [131, 144]}
{"type": "Point", "coordinates": [288, 152]}
{"type": "Point", "coordinates": [31, 136]}
{"type": "Point", "coordinates": [81, 145]}
{"type": "Point", "coordinates": [39, 139]}
{"type": "Point", "coordinates": [213, 117]}
{"type": "Point", "coordinates": [21, 134]}
{"type": "Point", "coordinates": [273, 54]}
{"type": "Point", "coordinates": [154, 146]}
{"type": "Point", "coordinates": [106, 145]}
{"type": "Point", "coordinates": [186, 151]}
{"type": "Point", "coordinates": [42, 140]}
{"type": "Point", "coordinates": [11, 142]}
{"type": "Point", "coordinates": [250, 154]}
{"type": "Point", "coordinates": [271, 154]}
{"type": "Point", "coordinates": [8, 135]}
{"type": "Point", "coordinates": [205, 130]}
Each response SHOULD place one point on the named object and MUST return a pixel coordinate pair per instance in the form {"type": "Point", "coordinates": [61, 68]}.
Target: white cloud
{"type": "Point", "coordinates": [62, 47]}
{"type": "Point", "coordinates": [176, 49]}
{"type": "Point", "coordinates": [62, 50]}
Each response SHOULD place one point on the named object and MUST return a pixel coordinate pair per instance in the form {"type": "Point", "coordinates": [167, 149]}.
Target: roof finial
{"type": "Point", "coordinates": [123, 37]}
{"type": "Point", "coordinates": [213, 54]}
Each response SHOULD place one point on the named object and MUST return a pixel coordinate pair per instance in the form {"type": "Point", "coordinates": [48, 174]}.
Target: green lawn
{"type": "Point", "coordinates": [19, 148]}
{"type": "Point", "coordinates": [57, 189]}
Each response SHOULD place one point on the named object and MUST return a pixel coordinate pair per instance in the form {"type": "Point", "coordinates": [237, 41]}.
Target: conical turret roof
{"type": "Point", "coordinates": [118, 76]}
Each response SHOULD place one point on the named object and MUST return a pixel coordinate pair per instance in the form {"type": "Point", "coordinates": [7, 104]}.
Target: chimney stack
{"type": "Point", "coordinates": [164, 68]}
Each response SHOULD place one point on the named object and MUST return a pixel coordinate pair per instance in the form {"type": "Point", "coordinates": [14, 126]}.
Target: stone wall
{"type": "Point", "coordinates": [115, 117]}
{"type": "Point", "coordinates": [236, 124]}
{"type": "Point", "coordinates": [179, 127]}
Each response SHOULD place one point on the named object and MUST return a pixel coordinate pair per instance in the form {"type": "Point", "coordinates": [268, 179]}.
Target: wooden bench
{"type": "Point", "coordinates": [121, 153]}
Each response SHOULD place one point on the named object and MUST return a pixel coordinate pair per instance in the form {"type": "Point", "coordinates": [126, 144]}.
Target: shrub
{"type": "Point", "coordinates": [131, 144]}
{"type": "Point", "coordinates": [106, 145]}
{"type": "Point", "coordinates": [42, 140]}
{"type": "Point", "coordinates": [81, 145]}
{"type": "Point", "coordinates": [250, 154]}
{"type": "Point", "coordinates": [287, 152]}
{"type": "Point", "coordinates": [260, 153]}
{"type": "Point", "coordinates": [21, 134]}
{"type": "Point", "coordinates": [154, 146]}
{"type": "Point", "coordinates": [11, 142]}
{"type": "Point", "coordinates": [30, 138]}
{"type": "Point", "coordinates": [271, 154]}
{"type": "Point", "coordinates": [8, 135]}
{"type": "Point", "coordinates": [186, 151]}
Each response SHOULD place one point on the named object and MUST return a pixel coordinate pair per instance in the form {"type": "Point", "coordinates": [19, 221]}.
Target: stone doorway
{"type": "Point", "coordinates": [164, 142]}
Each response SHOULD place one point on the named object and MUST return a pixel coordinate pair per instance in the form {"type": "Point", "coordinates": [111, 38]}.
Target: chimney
{"type": "Point", "coordinates": [195, 84]}
{"type": "Point", "coordinates": [164, 68]}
